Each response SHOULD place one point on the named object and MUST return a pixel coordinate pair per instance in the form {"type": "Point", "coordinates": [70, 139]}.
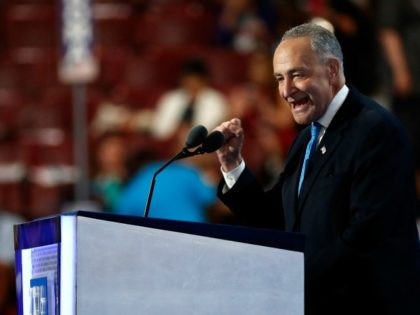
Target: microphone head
{"type": "Point", "coordinates": [213, 142]}
{"type": "Point", "coordinates": [196, 136]}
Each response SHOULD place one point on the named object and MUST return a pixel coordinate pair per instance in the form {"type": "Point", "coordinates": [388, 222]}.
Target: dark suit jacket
{"type": "Point", "coordinates": [357, 209]}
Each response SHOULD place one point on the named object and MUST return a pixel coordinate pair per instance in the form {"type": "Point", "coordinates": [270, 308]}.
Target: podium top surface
{"type": "Point", "coordinates": [47, 231]}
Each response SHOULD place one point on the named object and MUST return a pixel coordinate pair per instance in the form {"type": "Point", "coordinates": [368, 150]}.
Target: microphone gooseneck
{"type": "Point", "coordinates": [180, 155]}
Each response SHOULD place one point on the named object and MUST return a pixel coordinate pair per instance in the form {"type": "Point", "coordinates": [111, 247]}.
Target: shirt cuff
{"type": "Point", "coordinates": [232, 177]}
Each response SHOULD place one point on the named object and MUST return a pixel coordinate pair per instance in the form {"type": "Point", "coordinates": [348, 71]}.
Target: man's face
{"type": "Point", "coordinates": [304, 81]}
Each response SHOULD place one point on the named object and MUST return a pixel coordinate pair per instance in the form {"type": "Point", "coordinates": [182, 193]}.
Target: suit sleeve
{"type": "Point", "coordinates": [251, 205]}
{"type": "Point", "coordinates": [381, 189]}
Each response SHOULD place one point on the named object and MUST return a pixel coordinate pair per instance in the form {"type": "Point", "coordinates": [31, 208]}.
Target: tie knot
{"type": "Point", "coordinates": [315, 129]}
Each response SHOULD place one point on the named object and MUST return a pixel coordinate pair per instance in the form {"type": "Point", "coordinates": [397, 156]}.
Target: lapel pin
{"type": "Point", "coordinates": [323, 150]}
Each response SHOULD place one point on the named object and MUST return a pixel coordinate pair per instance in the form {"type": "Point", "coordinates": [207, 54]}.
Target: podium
{"type": "Point", "coordinates": [89, 263]}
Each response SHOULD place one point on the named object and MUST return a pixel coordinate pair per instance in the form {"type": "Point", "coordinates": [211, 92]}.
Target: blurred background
{"type": "Point", "coordinates": [94, 95]}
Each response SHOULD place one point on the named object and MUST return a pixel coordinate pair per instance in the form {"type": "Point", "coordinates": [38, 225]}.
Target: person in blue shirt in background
{"type": "Point", "coordinates": [181, 193]}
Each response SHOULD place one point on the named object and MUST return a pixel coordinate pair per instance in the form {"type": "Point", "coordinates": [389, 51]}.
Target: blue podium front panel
{"type": "Point", "coordinates": [37, 251]}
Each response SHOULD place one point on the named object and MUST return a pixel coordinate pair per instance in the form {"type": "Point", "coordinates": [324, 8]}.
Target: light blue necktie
{"type": "Point", "coordinates": [310, 149]}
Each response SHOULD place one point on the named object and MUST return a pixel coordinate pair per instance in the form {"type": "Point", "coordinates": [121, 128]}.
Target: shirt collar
{"type": "Point", "coordinates": [333, 107]}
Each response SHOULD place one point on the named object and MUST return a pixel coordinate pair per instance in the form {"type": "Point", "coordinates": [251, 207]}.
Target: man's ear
{"type": "Point", "coordinates": [333, 65]}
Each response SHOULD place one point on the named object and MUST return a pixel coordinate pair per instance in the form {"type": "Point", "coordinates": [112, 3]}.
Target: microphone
{"type": "Point", "coordinates": [212, 142]}
{"type": "Point", "coordinates": [196, 136]}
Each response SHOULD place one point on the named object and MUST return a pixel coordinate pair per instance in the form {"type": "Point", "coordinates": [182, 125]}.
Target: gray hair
{"type": "Point", "coordinates": [323, 42]}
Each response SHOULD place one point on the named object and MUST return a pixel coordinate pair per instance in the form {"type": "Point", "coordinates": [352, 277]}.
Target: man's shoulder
{"type": "Point", "coordinates": [373, 115]}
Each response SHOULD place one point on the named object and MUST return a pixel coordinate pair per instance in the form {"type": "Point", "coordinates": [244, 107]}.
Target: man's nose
{"type": "Point", "coordinates": [287, 88]}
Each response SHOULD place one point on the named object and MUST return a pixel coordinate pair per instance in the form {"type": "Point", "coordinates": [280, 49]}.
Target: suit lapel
{"type": "Point", "coordinates": [291, 171]}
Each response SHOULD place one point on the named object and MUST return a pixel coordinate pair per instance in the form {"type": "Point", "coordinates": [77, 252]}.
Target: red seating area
{"type": "Point", "coordinates": [30, 25]}
{"type": "Point", "coordinates": [187, 24]}
{"type": "Point", "coordinates": [139, 44]}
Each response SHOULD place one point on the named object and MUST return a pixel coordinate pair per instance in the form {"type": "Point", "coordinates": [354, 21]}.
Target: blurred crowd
{"type": "Point", "coordinates": [165, 66]}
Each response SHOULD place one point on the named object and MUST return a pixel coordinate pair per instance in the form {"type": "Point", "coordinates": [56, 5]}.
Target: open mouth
{"type": "Point", "coordinates": [300, 104]}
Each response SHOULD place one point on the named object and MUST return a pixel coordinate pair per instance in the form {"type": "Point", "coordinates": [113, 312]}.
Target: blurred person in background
{"type": "Point", "coordinates": [109, 170]}
{"type": "Point", "coordinates": [183, 191]}
{"type": "Point", "coordinates": [246, 25]}
{"type": "Point", "coordinates": [289, 13]}
{"type": "Point", "coordinates": [194, 102]}
{"type": "Point", "coordinates": [353, 24]}
{"type": "Point", "coordinates": [112, 114]}
{"type": "Point", "coordinates": [398, 23]}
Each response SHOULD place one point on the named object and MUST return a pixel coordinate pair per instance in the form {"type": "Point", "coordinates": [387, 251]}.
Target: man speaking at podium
{"type": "Point", "coordinates": [348, 185]}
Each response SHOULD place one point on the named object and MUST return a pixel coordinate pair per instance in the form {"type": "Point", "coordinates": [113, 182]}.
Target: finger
{"type": "Point", "coordinates": [235, 121]}
{"type": "Point", "coordinates": [236, 127]}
